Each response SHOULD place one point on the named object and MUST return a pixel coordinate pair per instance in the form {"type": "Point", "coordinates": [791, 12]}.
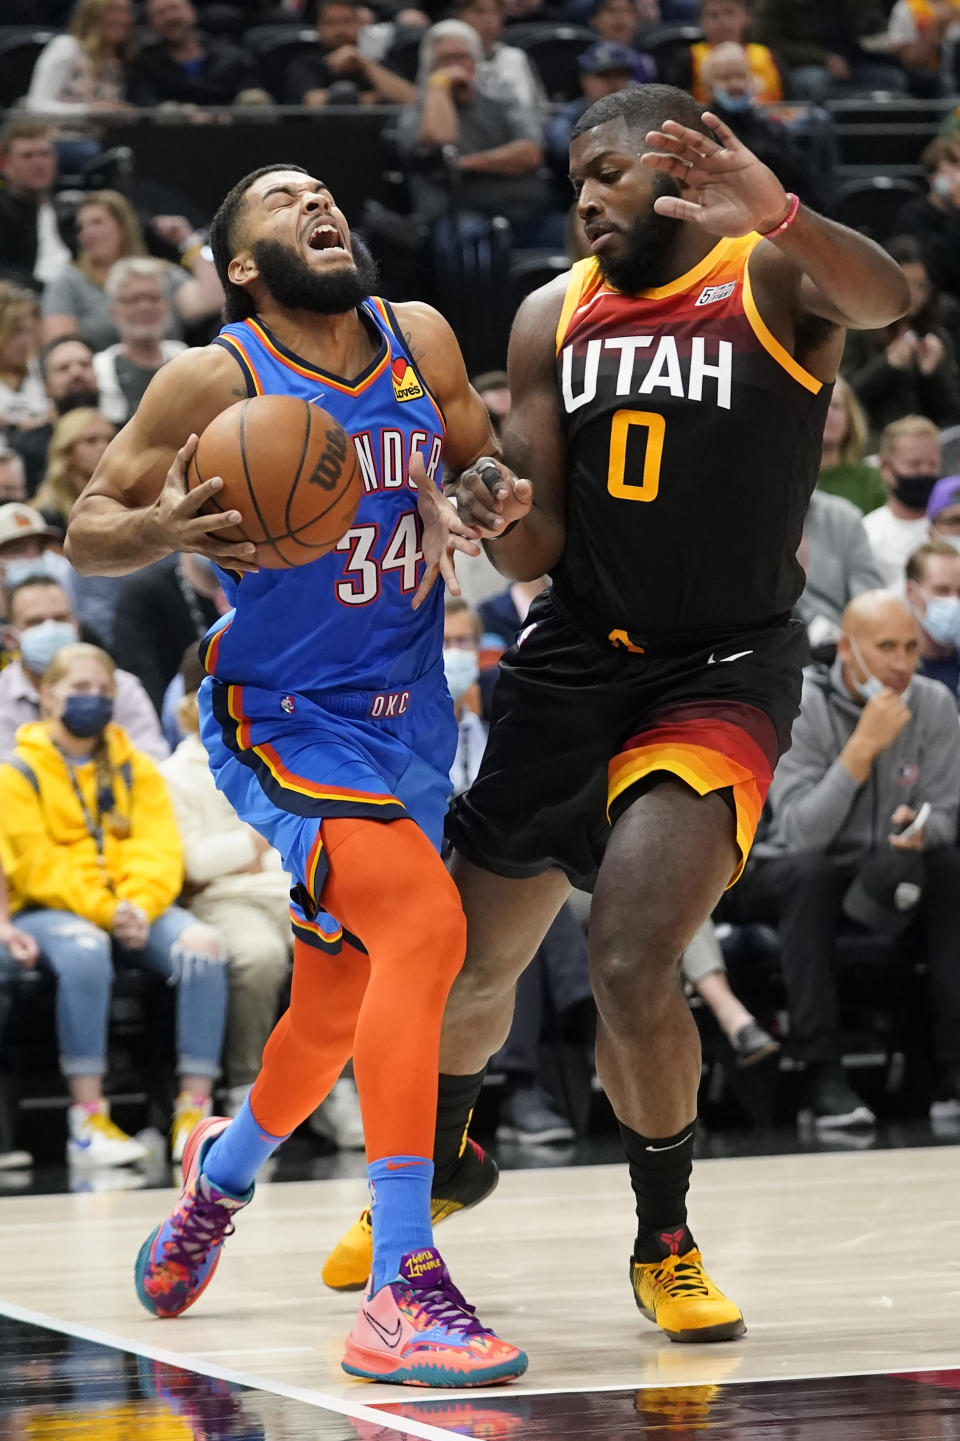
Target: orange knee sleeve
{"type": "Point", "coordinates": [313, 1039]}
{"type": "Point", "coordinates": [388, 886]}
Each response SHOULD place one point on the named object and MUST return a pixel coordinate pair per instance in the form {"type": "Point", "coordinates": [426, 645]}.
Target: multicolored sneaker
{"type": "Point", "coordinates": [418, 1330]}
{"type": "Point", "coordinates": [678, 1296]}
{"type": "Point", "coordinates": [348, 1266]}
{"type": "Point", "coordinates": [177, 1261]}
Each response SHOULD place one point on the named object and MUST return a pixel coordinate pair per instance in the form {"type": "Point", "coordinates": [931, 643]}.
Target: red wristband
{"type": "Point", "coordinates": [787, 220]}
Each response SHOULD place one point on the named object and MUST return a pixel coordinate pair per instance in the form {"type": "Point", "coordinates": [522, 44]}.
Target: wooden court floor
{"type": "Point", "coordinates": [845, 1265]}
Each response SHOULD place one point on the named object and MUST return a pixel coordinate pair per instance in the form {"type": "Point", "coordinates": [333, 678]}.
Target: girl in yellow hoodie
{"type": "Point", "coordinates": [90, 847]}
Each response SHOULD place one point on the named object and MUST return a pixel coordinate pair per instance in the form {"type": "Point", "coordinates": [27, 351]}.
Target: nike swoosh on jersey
{"type": "Point", "coordinates": [389, 1338]}
{"type": "Point", "coordinates": [723, 659]}
{"type": "Point", "coordinates": [319, 396]}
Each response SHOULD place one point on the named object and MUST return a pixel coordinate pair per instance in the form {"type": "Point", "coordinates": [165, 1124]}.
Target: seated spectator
{"type": "Point", "coordinates": [141, 313]}
{"type": "Point", "coordinates": [909, 367]}
{"type": "Point", "coordinates": [943, 511]}
{"type": "Point", "coordinates": [23, 401]}
{"type": "Point", "coordinates": [163, 609]}
{"type": "Point", "coordinates": [725, 22]}
{"type": "Point", "coordinates": [843, 470]}
{"type": "Point", "coordinates": [339, 73]}
{"type": "Point", "coordinates": [66, 367]}
{"type": "Point", "coordinates": [726, 74]}
{"type": "Point", "coordinates": [604, 68]}
{"type": "Point", "coordinates": [934, 219]}
{"type": "Point", "coordinates": [27, 547]}
{"type": "Point", "coordinates": [923, 35]}
{"type": "Point", "coordinates": [705, 972]}
{"type": "Point", "coordinates": [873, 743]}
{"type": "Point", "coordinates": [237, 885]}
{"type": "Point", "coordinates": [495, 148]}
{"type": "Point", "coordinates": [933, 594]}
{"type": "Point", "coordinates": [505, 614]}
{"type": "Point", "coordinates": [40, 621]}
{"type": "Point", "coordinates": [108, 230]}
{"type": "Point", "coordinates": [175, 63]}
{"type": "Point", "coordinates": [461, 667]}
{"type": "Point", "coordinates": [13, 479]}
{"type": "Point", "coordinates": [910, 459]}
{"type": "Point", "coordinates": [89, 843]}
{"type": "Point", "coordinates": [839, 565]}
{"type": "Point", "coordinates": [381, 38]}
{"type": "Point", "coordinates": [81, 72]}
{"type": "Point", "coordinates": [32, 250]}
{"type": "Point", "coordinates": [79, 439]}
{"type": "Point", "coordinates": [618, 21]}
{"type": "Point", "coordinates": [504, 69]}
{"type": "Point", "coordinates": [820, 45]}
{"type": "Point", "coordinates": [493, 389]}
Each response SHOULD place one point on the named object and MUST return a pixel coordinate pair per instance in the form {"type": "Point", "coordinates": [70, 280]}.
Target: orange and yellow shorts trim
{"type": "Point", "coordinates": [730, 748]}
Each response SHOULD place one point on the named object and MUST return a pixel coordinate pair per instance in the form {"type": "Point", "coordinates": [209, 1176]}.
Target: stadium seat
{"type": "Point", "coordinates": [403, 56]}
{"type": "Point", "coordinates": [273, 47]}
{"type": "Point", "coordinates": [884, 131]}
{"type": "Point", "coordinates": [529, 272]}
{"type": "Point", "coordinates": [553, 51]}
{"type": "Point", "coordinates": [666, 45]}
{"type": "Point", "coordinates": [18, 56]}
{"type": "Point", "coordinates": [871, 205]}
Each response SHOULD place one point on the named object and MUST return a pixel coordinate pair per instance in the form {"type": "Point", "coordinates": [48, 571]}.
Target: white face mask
{"type": "Point", "coordinates": [461, 669]}
{"type": "Point", "coordinates": [953, 540]}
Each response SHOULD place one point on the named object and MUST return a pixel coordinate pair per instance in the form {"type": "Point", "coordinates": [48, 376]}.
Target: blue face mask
{"type": "Point", "coordinates": [871, 686]}
{"type": "Point", "coordinates": [460, 668]}
{"type": "Point", "coordinates": [40, 643]}
{"type": "Point", "coordinates": [736, 103]}
{"type": "Point", "coordinates": [15, 571]}
{"type": "Point", "coordinates": [941, 619]}
{"type": "Point", "coordinates": [87, 715]}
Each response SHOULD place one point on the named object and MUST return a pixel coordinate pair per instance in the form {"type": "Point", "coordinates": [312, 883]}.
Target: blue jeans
{"type": "Point", "coordinates": [81, 957]}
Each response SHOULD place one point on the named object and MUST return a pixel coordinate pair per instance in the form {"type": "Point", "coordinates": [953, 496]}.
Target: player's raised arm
{"type": "Point", "coordinates": [838, 275]}
{"type": "Point", "coordinates": [136, 508]}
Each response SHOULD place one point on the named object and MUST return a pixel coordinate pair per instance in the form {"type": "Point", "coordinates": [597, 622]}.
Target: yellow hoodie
{"type": "Point", "coordinates": [47, 852]}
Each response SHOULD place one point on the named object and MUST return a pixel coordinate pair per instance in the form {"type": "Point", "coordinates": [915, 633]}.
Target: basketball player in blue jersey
{"type": "Point", "coordinates": [330, 729]}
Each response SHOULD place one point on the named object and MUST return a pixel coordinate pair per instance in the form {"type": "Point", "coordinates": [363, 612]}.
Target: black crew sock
{"type": "Point", "coordinates": [660, 1176]}
{"type": "Point", "coordinates": [456, 1099]}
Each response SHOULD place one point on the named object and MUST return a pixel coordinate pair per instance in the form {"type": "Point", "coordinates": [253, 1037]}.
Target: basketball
{"type": "Point", "coordinates": [291, 471]}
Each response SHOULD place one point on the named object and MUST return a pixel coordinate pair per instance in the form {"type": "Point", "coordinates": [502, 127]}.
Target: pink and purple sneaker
{"type": "Point", "coordinates": [418, 1330]}
{"type": "Point", "coordinates": [177, 1261]}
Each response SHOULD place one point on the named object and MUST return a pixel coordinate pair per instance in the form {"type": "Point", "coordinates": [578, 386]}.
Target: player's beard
{"type": "Point", "coordinates": [295, 286]}
{"type": "Point", "coordinates": [646, 260]}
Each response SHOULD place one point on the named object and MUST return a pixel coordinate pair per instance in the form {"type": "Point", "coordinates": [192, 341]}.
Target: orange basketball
{"type": "Point", "coordinates": [291, 471]}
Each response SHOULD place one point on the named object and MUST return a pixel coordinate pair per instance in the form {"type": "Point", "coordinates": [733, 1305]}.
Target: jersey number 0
{"type": "Point", "coordinates": [620, 426]}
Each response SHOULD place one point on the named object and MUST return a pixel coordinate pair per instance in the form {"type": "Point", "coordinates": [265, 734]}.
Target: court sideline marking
{"type": "Point", "coordinates": [186, 1362]}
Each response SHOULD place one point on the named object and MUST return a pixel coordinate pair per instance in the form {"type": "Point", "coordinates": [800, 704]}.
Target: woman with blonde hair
{"type": "Point", "coordinates": [23, 398]}
{"type": "Point", "coordinates": [76, 303]}
{"type": "Point", "coordinates": [79, 439]}
{"type": "Point", "coordinates": [81, 72]}
{"type": "Point", "coordinates": [92, 855]}
{"type": "Point", "coordinates": [843, 470]}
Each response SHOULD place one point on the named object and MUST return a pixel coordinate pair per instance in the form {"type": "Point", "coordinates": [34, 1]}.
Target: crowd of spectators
{"type": "Point", "coordinates": [102, 283]}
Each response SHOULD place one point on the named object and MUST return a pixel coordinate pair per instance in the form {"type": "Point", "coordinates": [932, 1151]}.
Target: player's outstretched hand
{"type": "Point", "coordinates": [490, 497]}
{"type": "Point", "coordinates": [444, 533]}
{"type": "Point", "coordinates": [182, 527]}
{"type": "Point", "coordinates": [736, 192]}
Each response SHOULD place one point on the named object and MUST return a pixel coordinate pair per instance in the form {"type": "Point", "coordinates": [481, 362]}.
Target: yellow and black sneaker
{"type": "Point", "coordinates": [348, 1266]}
{"type": "Point", "coordinates": [676, 1293]}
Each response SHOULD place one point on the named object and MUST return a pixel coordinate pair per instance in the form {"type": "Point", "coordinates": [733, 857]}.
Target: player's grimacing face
{"type": "Point", "coordinates": [615, 200]}
{"type": "Point", "coordinates": [300, 212]}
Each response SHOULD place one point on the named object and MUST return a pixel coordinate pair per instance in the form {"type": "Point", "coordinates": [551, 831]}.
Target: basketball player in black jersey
{"type": "Point", "coordinates": [668, 402]}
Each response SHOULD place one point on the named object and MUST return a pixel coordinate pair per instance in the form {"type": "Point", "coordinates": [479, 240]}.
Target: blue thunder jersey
{"type": "Point", "coordinates": [343, 621]}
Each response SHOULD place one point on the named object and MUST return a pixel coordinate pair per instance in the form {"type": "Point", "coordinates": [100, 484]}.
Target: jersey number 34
{"type": "Point", "coordinates": [362, 571]}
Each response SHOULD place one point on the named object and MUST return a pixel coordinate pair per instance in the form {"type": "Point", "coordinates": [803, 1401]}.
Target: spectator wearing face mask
{"type": "Point", "coordinates": [92, 855]}
{"type": "Point", "coordinates": [873, 743]}
{"type": "Point", "coordinates": [26, 549]}
{"type": "Point", "coordinates": [933, 594]}
{"type": "Point", "coordinates": [910, 459]}
{"type": "Point", "coordinates": [461, 640]}
{"type": "Point", "coordinates": [40, 622]}
{"type": "Point", "coordinates": [943, 511]}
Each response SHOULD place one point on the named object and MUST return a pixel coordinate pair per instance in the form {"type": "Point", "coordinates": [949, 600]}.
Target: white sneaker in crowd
{"type": "Point", "coordinates": [337, 1118]}
{"type": "Point", "coordinates": [94, 1140]}
{"type": "Point", "coordinates": [188, 1111]}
